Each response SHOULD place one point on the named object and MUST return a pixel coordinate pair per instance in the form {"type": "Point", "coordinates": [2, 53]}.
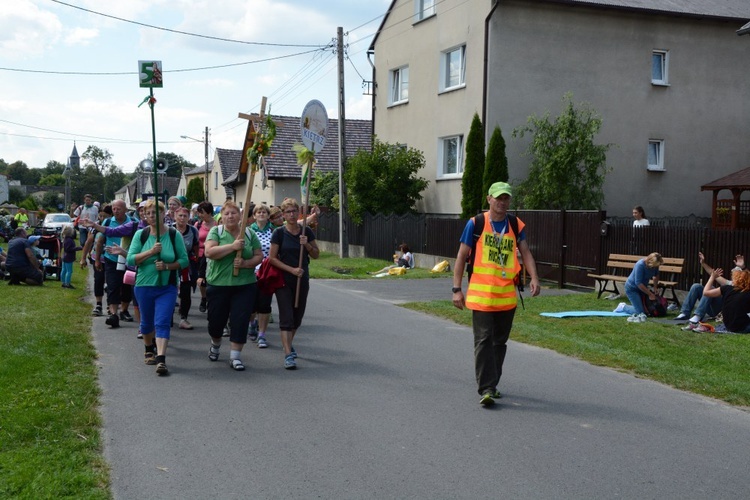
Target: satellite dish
{"type": "Point", "coordinates": [162, 165]}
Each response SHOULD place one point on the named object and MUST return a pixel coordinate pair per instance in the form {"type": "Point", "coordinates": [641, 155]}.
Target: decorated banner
{"type": "Point", "coordinates": [149, 74]}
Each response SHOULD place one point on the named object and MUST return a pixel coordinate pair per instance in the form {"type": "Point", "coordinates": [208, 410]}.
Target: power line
{"type": "Point", "coordinates": [267, 44]}
{"type": "Point", "coordinates": [181, 70]}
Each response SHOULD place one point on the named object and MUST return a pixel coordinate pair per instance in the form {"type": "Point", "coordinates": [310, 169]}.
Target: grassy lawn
{"type": "Point", "coordinates": [330, 266]}
{"type": "Point", "coordinates": [714, 365]}
{"type": "Point", "coordinates": [50, 443]}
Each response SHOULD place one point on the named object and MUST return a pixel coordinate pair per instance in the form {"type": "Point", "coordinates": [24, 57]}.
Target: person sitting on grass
{"type": "Point", "coordinates": [402, 258]}
{"type": "Point", "coordinates": [22, 263]}
{"type": "Point", "coordinates": [636, 287]}
{"type": "Point", "coordinates": [736, 299]}
{"type": "Point", "coordinates": [707, 306]}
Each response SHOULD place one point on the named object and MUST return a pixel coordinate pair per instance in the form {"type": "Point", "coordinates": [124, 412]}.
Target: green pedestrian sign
{"type": "Point", "coordinates": [149, 74]}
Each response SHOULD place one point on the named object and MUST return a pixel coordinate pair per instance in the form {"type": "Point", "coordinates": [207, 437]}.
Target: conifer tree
{"type": "Point", "coordinates": [496, 164]}
{"type": "Point", "coordinates": [471, 182]}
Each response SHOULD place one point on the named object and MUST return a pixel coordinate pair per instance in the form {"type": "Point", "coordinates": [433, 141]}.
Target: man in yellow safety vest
{"type": "Point", "coordinates": [491, 242]}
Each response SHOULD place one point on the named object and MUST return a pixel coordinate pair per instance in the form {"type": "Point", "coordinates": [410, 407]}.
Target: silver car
{"type": "Point", "coordinates": [56, 222]}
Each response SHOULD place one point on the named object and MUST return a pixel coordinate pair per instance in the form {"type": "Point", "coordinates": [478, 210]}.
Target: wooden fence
{"type": "Point", "coordinates": [567, 245]}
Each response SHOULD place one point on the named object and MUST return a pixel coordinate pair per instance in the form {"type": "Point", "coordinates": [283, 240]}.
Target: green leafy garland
{"type": "Point", "coordinates": [262, 144]}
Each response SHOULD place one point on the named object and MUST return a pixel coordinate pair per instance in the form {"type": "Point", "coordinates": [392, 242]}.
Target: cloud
{"type": "Point", "coordinates": [81, 36]}
{"type": "Point", "coordinates": [25, 30]}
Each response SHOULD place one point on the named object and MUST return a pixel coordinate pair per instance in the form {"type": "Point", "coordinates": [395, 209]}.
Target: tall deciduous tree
{"type": "Point", "coordinates": [384, 180]}
{"type": "Point", "coordinates": [100, 159]}
{"type": "Point", "coordinates": [471, 182]}
{"type": "Point", "coordinates": [495, 165]}
{"type": "Point", "coordinates": [567, 169]}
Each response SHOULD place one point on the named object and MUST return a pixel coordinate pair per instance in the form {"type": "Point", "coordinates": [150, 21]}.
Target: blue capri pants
{"type": "Point", "coordinates": [156, 304]}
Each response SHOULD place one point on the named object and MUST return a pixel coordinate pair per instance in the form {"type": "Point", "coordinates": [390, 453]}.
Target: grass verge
{"type": "Point", "coordinates": [50, 444]}
{"type": "Point", "coordinates": [715, 365]}
{"type": "Point", "coordinates": [330, 266]}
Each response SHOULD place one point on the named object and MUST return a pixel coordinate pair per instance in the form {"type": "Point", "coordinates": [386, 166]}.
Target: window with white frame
{"type": "Point", "coordinates": [655, 154]}
{"type": "Point", "coordinates": [660, 67]}
{"type": "Point", "coordinates": [399, 85]}
{"type": "Point", "coordinates": [450, 158]}
{"type": "Point", "coordinates": [453, 68]}
{"type": "Point", "coordinates": [423, 9]}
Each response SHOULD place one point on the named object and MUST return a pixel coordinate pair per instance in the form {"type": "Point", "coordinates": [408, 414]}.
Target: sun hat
{"type": "Point", "coordinates": [500, 188]}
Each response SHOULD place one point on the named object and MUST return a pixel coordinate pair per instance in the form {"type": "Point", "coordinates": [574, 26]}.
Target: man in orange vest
{"type": "Point", "coordinates": [491, 294]}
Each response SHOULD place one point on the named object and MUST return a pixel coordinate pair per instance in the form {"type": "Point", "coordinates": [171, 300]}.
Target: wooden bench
{"type": "Point", "coordinates": [620, 266]}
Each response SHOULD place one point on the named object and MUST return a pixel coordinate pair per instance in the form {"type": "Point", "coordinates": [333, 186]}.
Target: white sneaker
{"type": "Point", "coordinates": [637, 318]}
{"type": "Point", "coordinates": [612, 296]}
{"type": "Point", "coordinates": [620, 307]}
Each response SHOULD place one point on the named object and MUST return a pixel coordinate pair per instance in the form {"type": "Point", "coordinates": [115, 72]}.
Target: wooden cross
{"type": "Point", "coordinates": [255, 126]}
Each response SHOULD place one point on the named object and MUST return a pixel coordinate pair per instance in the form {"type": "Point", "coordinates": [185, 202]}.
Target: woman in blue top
{"type": "Point", "coordinates": [159, 263]}
{"type": "Point", "coordinates": [636, 286]}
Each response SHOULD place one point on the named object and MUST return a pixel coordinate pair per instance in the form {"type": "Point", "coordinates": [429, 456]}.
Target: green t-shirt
{"type": "Point", "coordinates": [147, 273]}
{"type": "Point", "coordinates": [221, 272]}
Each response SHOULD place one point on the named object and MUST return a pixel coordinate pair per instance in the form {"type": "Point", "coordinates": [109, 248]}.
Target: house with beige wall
{"type": "Point", "coordinates": [666, 76]}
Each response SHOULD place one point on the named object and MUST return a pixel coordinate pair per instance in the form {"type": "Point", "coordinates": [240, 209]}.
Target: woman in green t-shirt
{"type": "Point", "coordinates": [159, 261]}
{"type": "Point", "coordinates": [230, 297]}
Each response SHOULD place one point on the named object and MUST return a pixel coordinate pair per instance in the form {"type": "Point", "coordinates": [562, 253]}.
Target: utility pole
{"type": "Point", "coordinates": [343, 234]}
{"type": "Point", "coordinates": [205, 137]}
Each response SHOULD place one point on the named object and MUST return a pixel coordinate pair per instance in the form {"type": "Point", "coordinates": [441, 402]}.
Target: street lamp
{"type": "Point", "coordinates": [205, 143]}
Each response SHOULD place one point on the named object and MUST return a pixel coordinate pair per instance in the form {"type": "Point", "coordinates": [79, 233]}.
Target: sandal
{"type": "Point", "coordinates": [149, 358]}
{"type": "Point", "coordinates": [161, 369]}
{"type": "Point", "coordinates": [213, 353]}
{"type": "Point", "coordinates": [236, 364]}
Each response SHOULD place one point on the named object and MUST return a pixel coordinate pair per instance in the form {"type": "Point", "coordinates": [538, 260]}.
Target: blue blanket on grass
{"type": "Point", "coordinates": [581, 314]}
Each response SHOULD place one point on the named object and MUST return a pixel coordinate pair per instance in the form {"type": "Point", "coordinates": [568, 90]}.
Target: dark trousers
{"type": "Point", "coordinates": [185, 300]}
{"type": "Point", "coordinates": [491, 332]}
{"type": "Point", "coordinates": [290, 317]}
{"type": "Point", "coordinates": [117, 291]}
{"type": "Point", "coordinates": [232, 303]}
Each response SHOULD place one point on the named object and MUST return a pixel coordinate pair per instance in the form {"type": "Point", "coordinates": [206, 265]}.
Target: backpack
{"type": "Point", "coordinates": [654, 308]}
{"type": "Point", "coordinates": [146, 232]}
{"type": "Point", "coordinates": [478, 228]}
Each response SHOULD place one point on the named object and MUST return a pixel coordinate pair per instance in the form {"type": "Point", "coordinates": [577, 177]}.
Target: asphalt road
{"type": "Point", "coordinates": [383, 405]}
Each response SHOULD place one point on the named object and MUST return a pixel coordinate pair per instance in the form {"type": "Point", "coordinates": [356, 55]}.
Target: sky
{"type": "Point", "coordinates": [69, 71]}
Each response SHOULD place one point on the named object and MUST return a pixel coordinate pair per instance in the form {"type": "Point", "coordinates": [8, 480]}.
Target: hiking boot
{"type": "Point", "coordinates": [125, 316]}
{"type": "Point", "coordinates": [113, 321]}
{"type": "Point", "coordinates": [202, 307]}
{"type": "Point", "coordinates": [262, 342]}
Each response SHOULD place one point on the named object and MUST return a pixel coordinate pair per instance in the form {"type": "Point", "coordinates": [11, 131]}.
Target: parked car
{"type": "Point", "coordinates": [56, 222]}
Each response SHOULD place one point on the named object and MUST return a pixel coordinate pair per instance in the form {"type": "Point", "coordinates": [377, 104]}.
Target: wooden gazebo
{"type": "Point", "coordinates": [730, 213]}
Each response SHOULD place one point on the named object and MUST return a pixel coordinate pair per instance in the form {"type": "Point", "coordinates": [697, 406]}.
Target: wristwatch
{"type": "Point", "coordinates": [456, 289]}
